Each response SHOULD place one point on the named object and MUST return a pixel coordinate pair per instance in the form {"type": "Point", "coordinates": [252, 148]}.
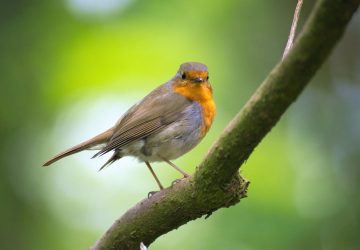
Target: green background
{"type": "Point", "coordinates": [69, 69]}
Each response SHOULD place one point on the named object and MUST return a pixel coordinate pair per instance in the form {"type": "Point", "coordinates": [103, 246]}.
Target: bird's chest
{"type": "Point", "coordinates": [208, 113]}
{"type": "Point", "coordinates": [202, 95]}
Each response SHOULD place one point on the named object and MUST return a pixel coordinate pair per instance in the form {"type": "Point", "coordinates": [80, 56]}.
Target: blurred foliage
{"type": "Point", "coordinates": [70, 68]}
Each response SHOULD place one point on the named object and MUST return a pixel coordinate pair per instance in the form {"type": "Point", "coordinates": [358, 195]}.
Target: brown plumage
{"type": "Point", "coordinates": [97, 140]}
{"type": "Point", "coordinates": [165, 124]}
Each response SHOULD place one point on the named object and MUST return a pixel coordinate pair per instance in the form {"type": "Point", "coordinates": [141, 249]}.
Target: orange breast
{"type": "Point", "coordinates": [201, 93]}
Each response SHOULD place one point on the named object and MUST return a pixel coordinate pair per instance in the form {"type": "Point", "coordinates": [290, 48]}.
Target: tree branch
{"type": "Point", "coordinates": [216, 182]}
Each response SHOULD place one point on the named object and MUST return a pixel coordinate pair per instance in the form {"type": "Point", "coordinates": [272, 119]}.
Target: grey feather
{"type": "Point", "coordinates": [157, 110]}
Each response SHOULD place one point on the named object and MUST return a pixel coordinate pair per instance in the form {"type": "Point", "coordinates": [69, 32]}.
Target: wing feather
{"type": "Point", "coordinates": [156, 111]}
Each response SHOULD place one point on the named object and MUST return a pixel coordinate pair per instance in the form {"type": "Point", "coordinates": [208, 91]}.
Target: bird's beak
{"type": "Point", "coordinates": [198, 79]}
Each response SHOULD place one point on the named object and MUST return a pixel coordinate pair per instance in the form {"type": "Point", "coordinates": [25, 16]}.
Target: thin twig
{"type": "Point", "coordinates": [290, 41]}
{"type": "Point", "coordinates": [142, 246]}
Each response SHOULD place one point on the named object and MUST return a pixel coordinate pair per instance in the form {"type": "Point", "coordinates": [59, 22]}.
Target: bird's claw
{"type": "Point", "coordinates": [150, 194]}
{"type": "Point", "coordinates": [179, 180]}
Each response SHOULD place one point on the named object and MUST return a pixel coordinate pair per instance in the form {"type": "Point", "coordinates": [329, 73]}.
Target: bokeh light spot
{"type": "Point", "coordinates": [97, 7]}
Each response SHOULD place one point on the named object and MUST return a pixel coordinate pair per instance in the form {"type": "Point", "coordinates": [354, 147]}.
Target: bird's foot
{"type": "Point", "coordinates": [150, 194]}
{"type": "Point", "coordinates": [179, 180]}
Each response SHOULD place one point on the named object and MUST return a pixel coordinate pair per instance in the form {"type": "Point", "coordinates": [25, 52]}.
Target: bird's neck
{"type": "Point", "coordinates": [202, 94]}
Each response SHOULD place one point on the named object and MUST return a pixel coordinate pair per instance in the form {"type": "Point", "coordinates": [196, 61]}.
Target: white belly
{"type": "Point", "coordinates": [171, 143]}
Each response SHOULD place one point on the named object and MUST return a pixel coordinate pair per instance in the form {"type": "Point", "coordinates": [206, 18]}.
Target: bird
{"type": "Point", "coordinates": [167, 123]}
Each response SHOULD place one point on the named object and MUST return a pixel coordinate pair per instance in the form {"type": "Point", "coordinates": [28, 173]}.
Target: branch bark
{"type": "Point", "coordinates": [216, 182]}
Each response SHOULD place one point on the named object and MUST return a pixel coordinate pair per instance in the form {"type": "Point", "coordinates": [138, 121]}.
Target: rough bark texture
{"type": "Point", "coordinates": [216, 182]}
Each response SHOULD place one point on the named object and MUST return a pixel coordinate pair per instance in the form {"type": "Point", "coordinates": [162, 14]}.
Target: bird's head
{"type": "Point", "coordinates": [192, 81]}
{"type": "Point", "coordinates": [192, 72]}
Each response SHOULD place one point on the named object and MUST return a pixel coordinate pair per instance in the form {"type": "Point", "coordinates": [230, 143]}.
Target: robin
{"type": "Point", "coordinates": [164, 125]}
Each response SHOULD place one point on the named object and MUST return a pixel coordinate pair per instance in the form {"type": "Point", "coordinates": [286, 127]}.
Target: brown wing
{"type": "Point", "coordinates": [156, 111]}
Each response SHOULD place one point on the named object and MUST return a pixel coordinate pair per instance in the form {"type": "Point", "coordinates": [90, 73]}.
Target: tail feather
{"type": "Point", "coordinates": [112, 159]}
{"type": "Point", "coordinates": [99, 139]}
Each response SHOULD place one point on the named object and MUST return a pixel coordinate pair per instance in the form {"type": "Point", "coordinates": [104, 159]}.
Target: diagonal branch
{"type": "Point", "coordinates": [216, 182]}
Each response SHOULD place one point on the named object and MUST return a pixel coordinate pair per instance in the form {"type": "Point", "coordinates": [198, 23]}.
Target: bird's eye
{"type": "Point", "coordinates": [207, 78]}
{"type": "Point", "coordinates": [183, 76]}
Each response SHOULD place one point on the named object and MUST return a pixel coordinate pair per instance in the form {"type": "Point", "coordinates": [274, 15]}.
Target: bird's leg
{"type": "Point", "coordinates": [174, 166]}
{"type": "Point", "coordinates": [153, 173]}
